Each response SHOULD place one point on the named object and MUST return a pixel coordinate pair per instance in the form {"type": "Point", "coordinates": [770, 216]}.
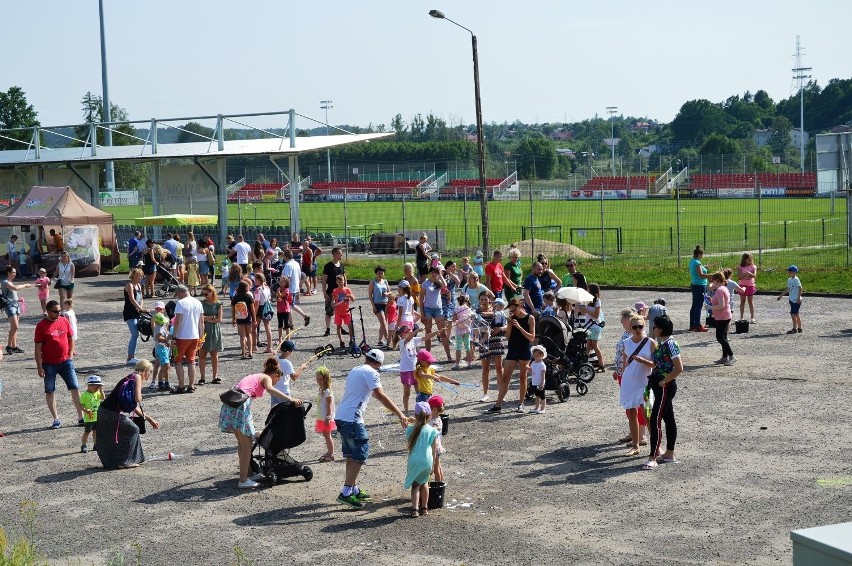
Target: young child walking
{"type": "Point", "coordinates": [342, 297]}
{"type": "Point", "coordinates": [162, 352]}
{"type": "Point", "coordinates": [68, 312]}
{"type": "Point", "coordinates": [91, 399]}
{"type": "Point", "coordinates": [462, 320]}
{"type": "Point", "coordinates": [42, 283]}
{"type": "Point", "coordinates": [192, 278]}
{"type": "Point", "coordinates": [325, 417]}
{"type": "Point", "coordinates": [284, 309]}
{"type": "Point", "coordinates": [794, 290]}
{"type": "Point", "coordinates": [425, 376]}
{"type": "Point", "coordinates": [421, 457]}
{"type": "Point", "coordinates": [288, 374]}
{"type": "Point", "coordinates": [392, 314]}
{"type": "Point", "coordinates": [437, 404]}
{"type": "Point", "coordinates": [537, 371]}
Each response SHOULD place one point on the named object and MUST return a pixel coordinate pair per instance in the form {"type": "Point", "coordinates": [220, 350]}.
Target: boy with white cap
{"type": "Point", "coordinates": [91, 399]}
{"type": "Point", "coordinates": [537, 371]}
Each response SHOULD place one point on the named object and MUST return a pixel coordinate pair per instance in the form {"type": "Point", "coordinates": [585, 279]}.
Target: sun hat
{"type": "Point", "coordinates": [501, 301]}
{"type": "Point", "coordinates": [640, 306]}
{"type": "Point", "coordinates": [376, 355]}
{"type": "Point", "coordinates": [436, 401]}
{"type": "Point", "coordinates": [159, 305]}
{"type": "Point", "coordinates": [403, 284]}
{"type": "Point", "coordinates": [478, 253]}
{"type": "Point", "coordinates": [94, 380]}
{"type": "Point", "coordinates": [539, 348]}
{"type": "Point", "coordinates": [287, 346]}
{"type": "Point", "coordinates": [422, 408]}
{"type": "Point", "coordinates": [425, 356]}
{"type": "Point", "coordinates": [793, 268]}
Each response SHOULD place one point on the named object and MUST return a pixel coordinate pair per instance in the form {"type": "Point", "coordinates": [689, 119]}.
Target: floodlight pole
{"type": "Point", "coordinates": [612, 110]}
{"type": "Point", "coordinates": [480, 138]}
{"type": "Point", "coordinates": [109, 168]}
{"type": "Point", "coordinates": [326, 105]}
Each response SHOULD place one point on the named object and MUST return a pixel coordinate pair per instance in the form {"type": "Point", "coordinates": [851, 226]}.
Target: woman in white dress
{"type": "Point", "coordinates": [637, 367]}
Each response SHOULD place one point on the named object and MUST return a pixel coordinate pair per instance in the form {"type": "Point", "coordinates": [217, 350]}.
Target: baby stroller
{"type": "Point", "coordinates": [284, 429]}
{"type": "Point", "coordinates": [566, 357]}
{"type": "Point", "coordinates": [168, 282]}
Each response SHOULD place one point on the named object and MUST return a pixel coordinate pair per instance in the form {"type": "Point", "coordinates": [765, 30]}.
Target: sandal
{"type": "Point", "coordinates": [415, 512]}
{"type": "Point", "coordinates": [178, 390]}
{"type": "Point", "coordinates": [215, 381]}
{"type": "Point", "coordinates": [424, 511]}
{"type": "Point", "coordinates": [200, 381]}
{"type": "Point", "coordinates": [632, 452]}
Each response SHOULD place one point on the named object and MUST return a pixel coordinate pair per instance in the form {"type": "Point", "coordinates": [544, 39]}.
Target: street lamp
{"type": "Point", "coordinates": [480, 139]}
{"type": "Point", "coordinates": [326, 105]}
{"type": "Point", "coordinates": [106, 115]}
{"type": "Point", "coordinates": [612, 110]}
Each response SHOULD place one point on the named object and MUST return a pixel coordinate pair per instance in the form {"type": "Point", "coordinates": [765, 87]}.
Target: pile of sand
{"type": "Point", "coordinates": [548, 248]}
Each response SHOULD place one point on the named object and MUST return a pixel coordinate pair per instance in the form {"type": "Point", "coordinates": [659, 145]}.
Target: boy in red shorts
{"type": "Point", "coordinates": [340, 298]}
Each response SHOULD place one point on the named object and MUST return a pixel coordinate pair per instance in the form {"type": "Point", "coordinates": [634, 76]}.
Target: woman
{"type": "Point", "coordinates": [618, 371]}
{"type": "Point", "coordinates": [132, 309]}
{"type": "Point", "coordinates": [180, 268]}
{"type": "Point", "coordinates": [430, 298]}
{"type": "Point", "coordinates": [474, 289]}
{"type": "Point", "coordinates": [520, 334]}
{"type": "Point", "coordinates": [212, 332]}
{"type": "Point", "coordinates": [189, 249]}
{"type": "Point", "coordinates": [13, 308]}
{"type": "Point", "coordinates": [448, 294]}
{"type": "Point", "coordinates": [548, 278]}
{"type": "Point", "coordinates": [276, 251]}
{"type": "Point", "coordinates": [746, 273]}
{"type": "Point", "coordinates": [491, 345]}
{"type": "Point", "coordinates": [204, 266]}
{"type": "Point", "coordinates": [378, 291]}
{"type": "Point", "coordinates": [242, 308]}
{"type": "Point", "coordinates": [594, 313]}
{"type": "Point", "coordinates": [698, 284]}
{"type": "Point", "coordinates": [117, 438]}
{"type": "Point", "coordinates": [636, 361]}
{"type": "Point", "coordinates": [150, 260]}
{"type": "Point", "coordinates": [235, 274]}
{"type": "Point", "coordinates": [422, 257]}
{"type": "Point", "coordinates": [262, 296]}
{"type": "Point", "coordinates": [239, 421]}
{"type": "Point", "coordinates": [667, 367]}
{"type": "Point", "coordinates": [512, 282]}
{"type": "Point", "coordinates": [34, 251]}
{"type": "Point", "coordinates": [64, 275]}
{"type": "Point", "coordinates": [413, 282]}
{"type": "Point", "coordinates": [720, 308]}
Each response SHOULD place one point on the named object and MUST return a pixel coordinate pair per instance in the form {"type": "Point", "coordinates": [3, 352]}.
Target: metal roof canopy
{"type": "Point", "coordinates": [215, 148]}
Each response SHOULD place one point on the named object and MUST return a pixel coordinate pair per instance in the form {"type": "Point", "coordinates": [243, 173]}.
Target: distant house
{"type": "Point", "coordinates": [471, 138]}
{"type": "Point", "coordinates": [798, 139]}
{"type": "Point", "coordinates": [562, 135]}
{"type": "Point", "coordinates": [567, 152]}
{"type": "Point", "coordinates": [763, 137]}
{"type": "Point", "coordinates": [640, 126]}
{"type": "Point", "coordinates": [841, 129]}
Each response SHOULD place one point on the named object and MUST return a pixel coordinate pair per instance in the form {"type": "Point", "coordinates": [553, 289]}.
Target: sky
{"type": "Point", "coordinates": [540, 61]}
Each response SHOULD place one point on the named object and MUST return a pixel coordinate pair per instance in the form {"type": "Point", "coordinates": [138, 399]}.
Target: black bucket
{"type": "Point", "coordinates": [445, 424]}
{"type": "Point", "coordinates": [710, 322]}
{"type": "Point", "coordinates": [741, 326]}
{"type": "Point", "coordinates": [436, 494]}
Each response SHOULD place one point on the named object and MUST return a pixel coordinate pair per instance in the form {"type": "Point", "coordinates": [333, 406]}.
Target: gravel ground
{"type": "Point", "coordinates": [755, 439]}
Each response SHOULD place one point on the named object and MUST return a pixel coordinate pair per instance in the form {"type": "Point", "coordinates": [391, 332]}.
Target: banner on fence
{"type": "Point", "coordinates": [507, 195]}
{"type": "Point", "coordinates": [607, 195]}
{"type": "Point", "coordinates": [735, 193]}
{"type": "Point", "coordinates": [340, 197]}
{"type": "Point", "coordinates": [773, 191]}
{"type": "Point", "coordinates": [119, 198]}
{"type": "Point", "coordinates": [550, 195]}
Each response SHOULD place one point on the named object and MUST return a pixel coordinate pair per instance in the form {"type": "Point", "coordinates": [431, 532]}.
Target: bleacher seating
{"type": "Point", "coordinates": [474, 182]}
{"type": "Point", "coordinates": [357, 187]}
{"type": "Point", "coordinates": [797, 183]}
{"type": "Point", "coordinates": [253, 192]}
{"type": "Point", "coordinates": [634, 183]}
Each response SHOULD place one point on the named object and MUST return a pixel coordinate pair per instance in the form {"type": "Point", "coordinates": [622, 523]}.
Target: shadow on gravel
{"type": "Point", "coordinates": [220, 490]}
{"type": "Point", "coordinates": [366, 522]}
{"type": "Point", "coordinates": [288, 515]}
{"type": "Point", "coordinates": [583, 465]}
{"type": "Point", "coordinates": [69, 476]}
{"type": "Point", "coordinates": [215, 452]}
{"type": "Point", "coordinates": [46, 458]}
{"type": "Point", "coordinates": [28, 431]}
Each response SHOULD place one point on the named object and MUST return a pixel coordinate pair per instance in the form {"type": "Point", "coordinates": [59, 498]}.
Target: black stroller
{"type": "Point", "coordinates": [284, 429]}
{"type": "Point", "coordinates": [566, 357]}
{"type": "Point", "coordinates": [168, 282]}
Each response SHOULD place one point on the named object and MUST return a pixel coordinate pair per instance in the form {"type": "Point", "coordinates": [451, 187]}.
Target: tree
{"type": "Point", "coordinates": [536, 157]}
{"type": "Point", "coordinates": [398, 125]}
{"type": "Point", "coordinates": [194, 132]}
{"type": "Point", "coordinates": [718, 144]}
{"type": "Point", "coordinates": [697, 119]}
{"type": "Point", "coordinates": [15, 112]}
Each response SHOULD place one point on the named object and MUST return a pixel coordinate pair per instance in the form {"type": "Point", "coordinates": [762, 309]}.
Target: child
{"type": "Point", "coordinates": [90, 400]}
{"type": "Point", "coordinates": [563, 310]}
{"type": "Point", "coordinates": [733, 288]}
{"type": "Point", "coordinates": [162, 351]}
{"type": "Point", "coordinates": [462, 318]}
{"type": "Point", "coordinates": [68, 312]}
{"type": "Point", "coordinates": [491, 344]}
{"type": "Point", "coordinates": [656, 310]}
{"type": "Point", "coordinates": [537, 371]}
{"type": "Point", "coordinates": [549, 307]}
{"type": "Point", "coordinates": [325, 419]}
{"type": "Point", "coordinates": [421, 456]}
{"type": "Point", "coordinates": [284, 307]}
{"type": "Point", "coordinates": [477, 264]}
{"type": "Point", "coordinates": [747, 272]}
{"type": "Point", "coordinates": [341, 298]}
{"type": "Point", "coordinates": [436, 402]}
{"type": "Point", "coordinates": [392, 314]}
{"type": "Point", "coordinates": [192, 275]}
{"type": "Point", "coordinates": [794, 290]}
{"type": "Point", "coordinates": [425, 375]}
{"type": "Point", "coordinates": [405, 305]}
{"type": "Point", "coordinates": [42, 283]}
{"type": "Point", "coordinates": [409, 344]}
{"type": "Point", "coordinates": [288, 374]}
{"type": "Point", "coordinates": [413, 282]}
{"type": "Point", "coordinates": [466, 268]}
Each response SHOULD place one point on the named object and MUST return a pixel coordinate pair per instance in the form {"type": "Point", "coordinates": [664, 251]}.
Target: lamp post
{"type": "Point", "coordinates": [480, 141]}
{"type": "Point", "coordinates": [107, 111]}
{"type": "Point", "coordinates": [612, 110]}
{"type": "Point", "coordinates": [326, 105]}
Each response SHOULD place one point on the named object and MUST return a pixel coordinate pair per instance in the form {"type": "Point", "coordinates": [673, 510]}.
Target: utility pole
{"type": "Point", "coordinates": [107, 111]}
{"type": "Point", "coordinates": [800, 76]}
{"type": "Point", "coordinates": [612, 111]}
{"type": "Point", "coordinates": [327, 105]}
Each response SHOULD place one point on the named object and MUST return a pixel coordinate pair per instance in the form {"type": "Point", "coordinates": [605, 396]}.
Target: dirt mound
{"type": "Point", "coordinates": [548, 248]}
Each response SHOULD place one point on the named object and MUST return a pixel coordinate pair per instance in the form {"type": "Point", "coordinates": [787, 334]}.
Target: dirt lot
{"type": "Point", "coordinates": [755, 441]}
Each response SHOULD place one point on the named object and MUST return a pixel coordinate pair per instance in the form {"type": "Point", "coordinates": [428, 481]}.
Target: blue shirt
{"type": "Point", "coordinates": [171, 246]}
{"type": "Point", "coordinates": [533, 285]}
{"type": "Point", "coordinates": [695, 267]}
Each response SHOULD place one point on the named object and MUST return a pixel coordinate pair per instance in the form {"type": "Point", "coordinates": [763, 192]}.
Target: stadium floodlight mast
{"type": "Point", "coordinates": [107, 112]}
{"type": "Point", "coordinates": [612, 110]}
{"type": "Point", "coordinates": [480, 138]}
{"type": "Point", "coordinates": [327, 105]}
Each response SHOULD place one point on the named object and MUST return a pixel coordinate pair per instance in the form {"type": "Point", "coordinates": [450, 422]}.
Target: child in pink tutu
{"type": "Point", "coordinates": [42, 283]}
{"type": "Point", "coordinates": [325, 420]}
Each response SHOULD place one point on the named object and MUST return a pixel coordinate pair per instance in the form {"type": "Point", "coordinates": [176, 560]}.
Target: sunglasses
{"type": "Point", "coordinates": [57, 311]}
{"type": "Point", "coordinates": [640, 327]}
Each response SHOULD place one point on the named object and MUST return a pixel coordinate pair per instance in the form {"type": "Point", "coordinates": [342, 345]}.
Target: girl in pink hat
{"type": "Point", "coordinates": [425, 376]}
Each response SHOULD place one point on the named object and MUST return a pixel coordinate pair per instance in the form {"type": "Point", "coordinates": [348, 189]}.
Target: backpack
{"type": "Point", "coordinates": [4, 299]}
{"type": "Point", "coordinates": [127, 394]}
{"type": "Point", "coordinates": [143, 325]}
{"type": "Point", "coordinates": [266, 311]}
{"type": "Point", "coordinates": [241, 311]}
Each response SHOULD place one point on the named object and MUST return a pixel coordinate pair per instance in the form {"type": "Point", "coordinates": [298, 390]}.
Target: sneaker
{"type": "Point", "coordinates": [701, 329]}
{"type": "Point", "coordinates": [753, 321]}
{"type": "Point", "coordinates": [84, 449]}
{"type": "Point", "coordinates": [494, 410]}
{"type": "Point", "coordinates": [362, 495]}
{"type": "Point", "coordinates": [81, 422]}
{"type": "Point", "coordinates": [307, 320]}
{"type": "Point", "coordinates": [56, 423]}
{"type": "Point", "coordinates": [350, 500]}
{"type": "Point", "coordinates": [721, 360]}
{"type": "Point", "coordinates": [793, 331]}
{"type": "Point", "coordinates": [520, 409]}
{"type": "Point", "coordinates": [799, 330]}
{"type": "Point", "coordinates": [327, 332]}
{"type": "Point", "coordinates": [248, 484]}
{"type": "Point", "coordinates": [9, 350]}
{"type": "Point", "coordinates": [535, 412]}
{"type": "Point", "coordinates": [484, 399]}
{"type": "Point", "coordinates": [257, 477]}
{"type": "Point", "coordinates": [152, 387]}
{"type": "Point", "coordinates": [17, 350]}
{"type": "Point", "coordinates": [131, 362]}
{"type": "Point", "coordinates": [730, 361]}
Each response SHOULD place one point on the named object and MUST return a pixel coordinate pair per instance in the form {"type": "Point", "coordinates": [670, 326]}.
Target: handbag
{"type": "Point", "coordinates": [234, 397]}
{"type": "Point", "coordinates": [637, 350]}
{"type": "Point", "coordinates": [139, 421]}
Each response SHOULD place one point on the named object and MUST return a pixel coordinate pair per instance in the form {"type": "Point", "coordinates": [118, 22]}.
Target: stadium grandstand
{"type": "Point", "coordinates": [258, 192]}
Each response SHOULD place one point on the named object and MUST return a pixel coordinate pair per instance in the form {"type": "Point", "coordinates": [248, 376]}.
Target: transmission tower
{"type": "Point", "coordinates": [800, 76]}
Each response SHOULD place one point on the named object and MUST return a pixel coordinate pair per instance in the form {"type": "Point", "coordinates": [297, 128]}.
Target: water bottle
{"type": "Point", "coordinates": [647, 402]}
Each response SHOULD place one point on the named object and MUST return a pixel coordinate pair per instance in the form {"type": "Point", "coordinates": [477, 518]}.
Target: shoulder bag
{"type": "Point", "coordinates": [234, 397]}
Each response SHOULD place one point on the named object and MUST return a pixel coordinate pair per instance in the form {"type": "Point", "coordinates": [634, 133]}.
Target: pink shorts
{"type": "Point", "coordinates": [749, 290]}
{"type": "Point", "coordinates": [342, 320]}
{"type": "Point", "coordinates": [321, 426]}
{"type": "Point", "coordinates": [407, 378]}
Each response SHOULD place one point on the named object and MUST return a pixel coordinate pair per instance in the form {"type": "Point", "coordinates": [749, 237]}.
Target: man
{"type": "Point", "coordinates": [54, 353]}
{"type": "Point", "coordinates": [242, 252]}
{"type": "Point", "coordinates": [361, 383]}
{"type": "Point", "coordinates": [329, 283]}
{"type": "Point", "coordinates": [494, 277]}
{"type": "Point", "coordinates": [134, 249]}
{"type": "Point", "coordinates": [574, 278]}
{"type": "Point", "coordinates": [58, 244]}
{"type": "Point", "coordinates": [229, 247]}
{"type": "Point", "coordinates": [188, 326]}
{"type": "Point", "coordinates": [171, 244]}
{"type": "Point", "coordinates": [12, 250]}
{"type": "Point", "coordinates": [533, 293]}
{"type": "Point", "coordinates": [310, 253]}
{"type": "Point", "coordinates": [292, 270]}
{"type": "Point", "coordinates": [263, 242]}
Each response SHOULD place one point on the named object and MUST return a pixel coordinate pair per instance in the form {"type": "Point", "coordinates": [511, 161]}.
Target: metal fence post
{"type": "Point", "coordinates": [345, 225]}
{"type": "Point", "coordinates": [404, 236]}
{"type": "Point", "coordinates": [677, 216]}
{"type": "Point", "coordinates": [532, 224]}
{"type": "Point", "coordinates": [759, 227]}
{"type": "Point", "coordinates": [603, 230]}
{"type": "Point", "coordinates": [466, 248]}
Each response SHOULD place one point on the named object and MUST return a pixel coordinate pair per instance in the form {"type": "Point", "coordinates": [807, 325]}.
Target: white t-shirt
{"type": "Point", "coordinates": [537, 370]}
{"type": "Point", "coordinates": [283, 385]}
{"type": "Point", "coordinates": [72, 319]}
{"type": "Point", "coordinates": [405, 308]}
{"type": "Point", "coordinates": [190, 310]}
{"type": "Point", "coordinates": [360, 383]}
{"type": "Point", "coordinates": [243, 250]}
{"type": "Point", "coordinates": [293, 270]}
{"type": "Point", "coordinates": [408, 353]}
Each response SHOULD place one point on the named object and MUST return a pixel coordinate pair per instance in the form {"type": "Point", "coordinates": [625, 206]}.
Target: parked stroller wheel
{"type": "Point", "coordinates": [307, 473]}
{"type": "Point", "coordinates": [582, 388]}
{"type": "Point", "coordinates": [585, 373]}
{"type": "Point", "coordinates": [563, 391]}
{"type": "Point", "coordinates": [255, 467]}
{"type": "Point", "coordinates": [529, 395]}
{"type": "Point", "coordinates": [271, 478]}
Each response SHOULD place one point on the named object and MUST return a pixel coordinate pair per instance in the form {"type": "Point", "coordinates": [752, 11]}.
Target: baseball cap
{"type": "Point", "coordinates": [403, 284]}
{"type": "Point", "coordinates": [94, 380]}
{"type": "Point", "coordinates": [425, 356]}
{"type": "Point", "coordinates": [287, 346]}
{"type": "Point", "coordinates": [422, 408]}
{"type": "Point", "coordinates": [793, 268]}
{"type": "Point", "coordinates": [376, 355]}
{"type": "Point", "coordinates": [159, 305]}
{"type": "Point", "coordinates": [640, 306]}
{"type": "Point", "coordinates": [436, 401]}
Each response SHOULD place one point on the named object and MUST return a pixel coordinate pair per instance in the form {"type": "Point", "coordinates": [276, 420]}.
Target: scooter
{"type": "Point", "coordinates": [353, 349]}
